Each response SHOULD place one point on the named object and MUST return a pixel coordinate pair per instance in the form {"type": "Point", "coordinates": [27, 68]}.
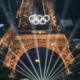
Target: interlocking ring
{"type": "Point", "coordinates": [39, 19]}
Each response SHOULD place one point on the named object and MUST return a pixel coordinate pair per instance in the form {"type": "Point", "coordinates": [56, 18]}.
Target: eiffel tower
{"type": "Point", "coordinates": [50, 38]}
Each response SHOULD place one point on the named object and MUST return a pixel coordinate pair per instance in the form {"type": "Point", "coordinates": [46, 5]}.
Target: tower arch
{"type": "Point", "coordinates": [42, 55]}
{"type": "Point", "coordinates": [57, 43]}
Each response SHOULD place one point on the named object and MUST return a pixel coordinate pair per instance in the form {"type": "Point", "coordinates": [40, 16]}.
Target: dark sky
{"type": "Point", "coordinates": [73, 9]}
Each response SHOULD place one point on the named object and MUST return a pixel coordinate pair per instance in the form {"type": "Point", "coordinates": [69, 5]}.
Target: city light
{"type": "Point", "coordinates": [1, 25]}
{"type": "Point", "coordinates": [37, 60]}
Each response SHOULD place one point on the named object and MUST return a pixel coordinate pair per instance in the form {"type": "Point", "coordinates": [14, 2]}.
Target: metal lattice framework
{"type": "Point", "coordinates": [57, 42]}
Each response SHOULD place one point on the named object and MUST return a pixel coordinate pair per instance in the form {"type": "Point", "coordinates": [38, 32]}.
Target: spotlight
{"type": "Point", "coordinates": [52, 44]}
{"type": "Point", "coordinates": [1, 25]}
{"type": "Point", "coordinates": [37, 60]}
{"type": "Point", "coordinates": [78, 46]}
{"type": "Point", "coordinates": [40, 32]}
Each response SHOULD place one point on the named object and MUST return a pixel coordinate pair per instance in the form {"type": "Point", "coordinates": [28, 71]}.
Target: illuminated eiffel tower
{"type": "Point", "coordinates": [51, 38]}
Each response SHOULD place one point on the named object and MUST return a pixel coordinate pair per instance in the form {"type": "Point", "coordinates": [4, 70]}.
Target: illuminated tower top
{"type": "Point", "coordinates": [36, 7]}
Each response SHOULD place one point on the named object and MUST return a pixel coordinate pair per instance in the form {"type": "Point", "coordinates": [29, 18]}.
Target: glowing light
{"type": "Point", "coordinates": [1, 25]}
{"type": "Point", "coordinates": [39, 19]}
{"type": "Point", "coordinates": [37, 60]}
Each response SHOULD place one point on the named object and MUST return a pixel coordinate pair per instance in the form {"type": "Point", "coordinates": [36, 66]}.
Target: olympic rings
{"type": "Point", "coordinates": [39, 19]}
